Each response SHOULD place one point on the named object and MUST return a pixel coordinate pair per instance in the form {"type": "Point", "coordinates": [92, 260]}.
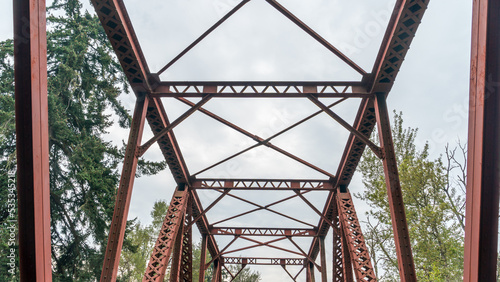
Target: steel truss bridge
{"type": "Point", "coordinates": [173, 247]}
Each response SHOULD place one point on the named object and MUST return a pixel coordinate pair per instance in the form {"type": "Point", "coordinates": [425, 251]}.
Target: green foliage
{"type": "Point", "coordinates": [434, 221]}
{"type": "Point", "coordinates": [246, 275]}
{"type": "Point", "coordinates": [138, 244]}
{"type": "Point", "coordinates": [84, 83]}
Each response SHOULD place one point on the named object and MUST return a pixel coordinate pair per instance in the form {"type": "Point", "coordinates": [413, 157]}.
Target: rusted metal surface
{"type": "Point", "coordinates": [360, 258]}
{"type": "Point", "coordinates": [264, 261]}
{"type": "Point", "coordinates": [262, 89]}
{"type": "Point", "coordinates": [203, 258]}
{"type": "Point", "coordinates": [401, 30]}
{"type": "Point", "coordinates": [124, 194]}
{"type": "Point", "coordinates": [170, 231]}
{"type": "Point", "coordinates": [32, 140]}
{"type": "Point", "coordinates": [253, 231]}
{"type": "Point", "coordinates": [261, 184]}
{"type": "Point", "coordinates": [395, 196]}
{"type": "Point", "coordinates": [483, 161]}
{"type": "Point", "coordinates": [186, 266]}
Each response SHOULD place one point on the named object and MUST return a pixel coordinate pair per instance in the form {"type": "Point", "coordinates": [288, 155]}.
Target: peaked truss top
{"type": "Point", "coordinates": [400, 32]}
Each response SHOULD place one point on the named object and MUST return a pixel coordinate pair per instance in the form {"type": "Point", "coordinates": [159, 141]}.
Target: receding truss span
{"type": "Point", "coordinates": [174, 244]}
{"type": "Point", "coordinates": [350, 258]}
{"type": "Point", "coordinates": [338, 214]}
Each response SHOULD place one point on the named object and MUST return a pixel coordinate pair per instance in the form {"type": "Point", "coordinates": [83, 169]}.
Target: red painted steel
{"type": "Point", "coordinates": [395, 196]}
{"type": "Point", "coordinates": [262, 89]}
{"type": "Point", "coordinates": [402, 27]}
{"type": "Point", "coordinates": [360, 258]}
{"type": "Point", "coordinates": [124, 194]}
{"type": "Point", "coordinates": [483, 183]}
{"type": "Point", "coordinates": [203, 258]}
{"type": "Point", "coordinates": [186, 266]}
{"type": "Point", "coordinates": [324, 275]}
{"type": "Point", "coordinates": [170, 231]}
{"type": "Point", "coordinates": [32, 140]}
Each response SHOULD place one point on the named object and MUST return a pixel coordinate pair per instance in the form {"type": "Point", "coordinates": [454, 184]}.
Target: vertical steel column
{"type": "Point", "coordinates": [342, 268]}
{"type": "Point", "coordinates": [347, 272]}
{"type": "Point", "coordinates": [175, 266]}
{"type": "Point", "coordinates": [186, 268]}
{"type": "Point", "coordinates": [324, 276]}
{"type": "Point", "coordinates": [203, 258]}
{"type": "Point", "coordinates": [122, 204]}
{"type": "Point", "coordinates": [32, 140]}
{"type": "Point", "coordinates": [172, 226]}
{"type": "Point", "coordinates": [217, 274]}
{"type": "Point", "coordinates": [481, 226]}
{"type": "Point", "coordinates": [396, 205]}
{"type": "Point", "coordinates": [360, 257]}
{"type": "Point", "coordinates": [310, 272]}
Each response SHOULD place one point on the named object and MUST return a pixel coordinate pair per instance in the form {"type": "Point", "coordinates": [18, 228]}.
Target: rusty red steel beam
{"type": "Point", "coordinates": [124, 193]}
{"type": "Point", "coordinates": [324, 275]}
{"type": "Point", "coordinates": [143, 148]}
{"type": "Point", "coordinates": [261, 231]}
{"type": "Point", "coordinates": [263, 244]}
{"type": "Point", "coordinates": [203, 224]}
{"type": "Point", "coordinates": [289, 274]}
{"type": "Point", "coordinates": [395, 196]}
{"type": "Point", "coordinates": [219, 254]}
{"type": "Point", "coordinates": [116, 23]}
{"type": "Point", "coordinates": [376, 150]}
{"type": "Point", "coordinates": [315, 35]}
{"type": "Point", "coordinates": [260, 141]}
{"type": "Point", "coordinates": [186, 265]}
{"type": "Point", "coordinates": [205, 34]}
{"type": "Point", "coordinates": [202, 213]}
{"type": "Point", "coordinates": [266, 207]}
{"type": "Point", "coordinates": [304, 253]}
{"type": "Point", "coordinates": [262, 89]}
{"type": "Point", "coordinates": [483, 180]}
{"type": "Point", "coordinates": [170, 232]}
{"type": "Point", "coordinates": [263, 184]}
{"type": "Point", "coordinates": [349, 222]}
{"type": "Point", "coordinates": [403, 25]}
{"type": "Point", "coordinates": [203, 257]}
{"type": "Point", "coordinates": [263, 261]}
{"type": "Point", "coordinates": [32, 141]}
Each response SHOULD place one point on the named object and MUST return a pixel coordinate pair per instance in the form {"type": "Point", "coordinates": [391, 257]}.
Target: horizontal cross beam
{"type": "Point", "coordinates": [254, 231]}
{"type": "Point", "coordinates": [264, 261]}
{"type": "Point", "coordinates": [262, 89]}
{"type": "Point", "coordinates": [264, 184]}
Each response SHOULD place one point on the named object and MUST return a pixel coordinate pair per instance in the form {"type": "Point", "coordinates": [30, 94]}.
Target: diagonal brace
{"type": "Point", "coordinates": [316, 36]}
{"type": "Point", "coordinates": [142, 149]}
{"type": "Point", "coordinates": [376, 149]}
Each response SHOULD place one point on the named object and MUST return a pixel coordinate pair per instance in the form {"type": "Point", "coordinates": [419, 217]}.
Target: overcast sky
{"type": "Point", "coordinates": [258, 43]}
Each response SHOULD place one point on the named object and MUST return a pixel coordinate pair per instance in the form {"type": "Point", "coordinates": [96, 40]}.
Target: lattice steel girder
{"type": "Point", "coordinates": [395, 196]}
{"type": "Point", "coordinates": [264, 261]}
{"type": "Point", "coordinates": [186, 266]}
{"type": "Point", "coordinates": [262, 89]}
{"type": "Point", "coordinates": [253, 231]}
{"type": "Point", "coordinates": [360, 258]}
{"type": "Point", "coordinates": [124, 194]}
{"type": "Point", "coordinates": [265, 184]}
{"type": "Point", "coordinates": [116, 23]}
{"type": "Point", "coordinates": [32, 142]}
{"type": "Point", "coordinates": [483, 161]}
{"type": "Point", "coordinates": [406, 18]}
{"type": "Point", "coordinates": [170, 229]}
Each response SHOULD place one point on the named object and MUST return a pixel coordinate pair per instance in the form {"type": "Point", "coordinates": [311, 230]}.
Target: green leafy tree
{"type": "Point", "coordinates": [138, 244]}
{"type": "Point", "coordinates": [84, 83]}
{"type": "Point", "coordinates": [246, 275]}
{"type": "Point", "coordinates": [434, 205]}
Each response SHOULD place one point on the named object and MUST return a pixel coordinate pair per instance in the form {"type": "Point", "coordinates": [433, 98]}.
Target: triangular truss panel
{"type": "Point", "coordinates": [292, 214]}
